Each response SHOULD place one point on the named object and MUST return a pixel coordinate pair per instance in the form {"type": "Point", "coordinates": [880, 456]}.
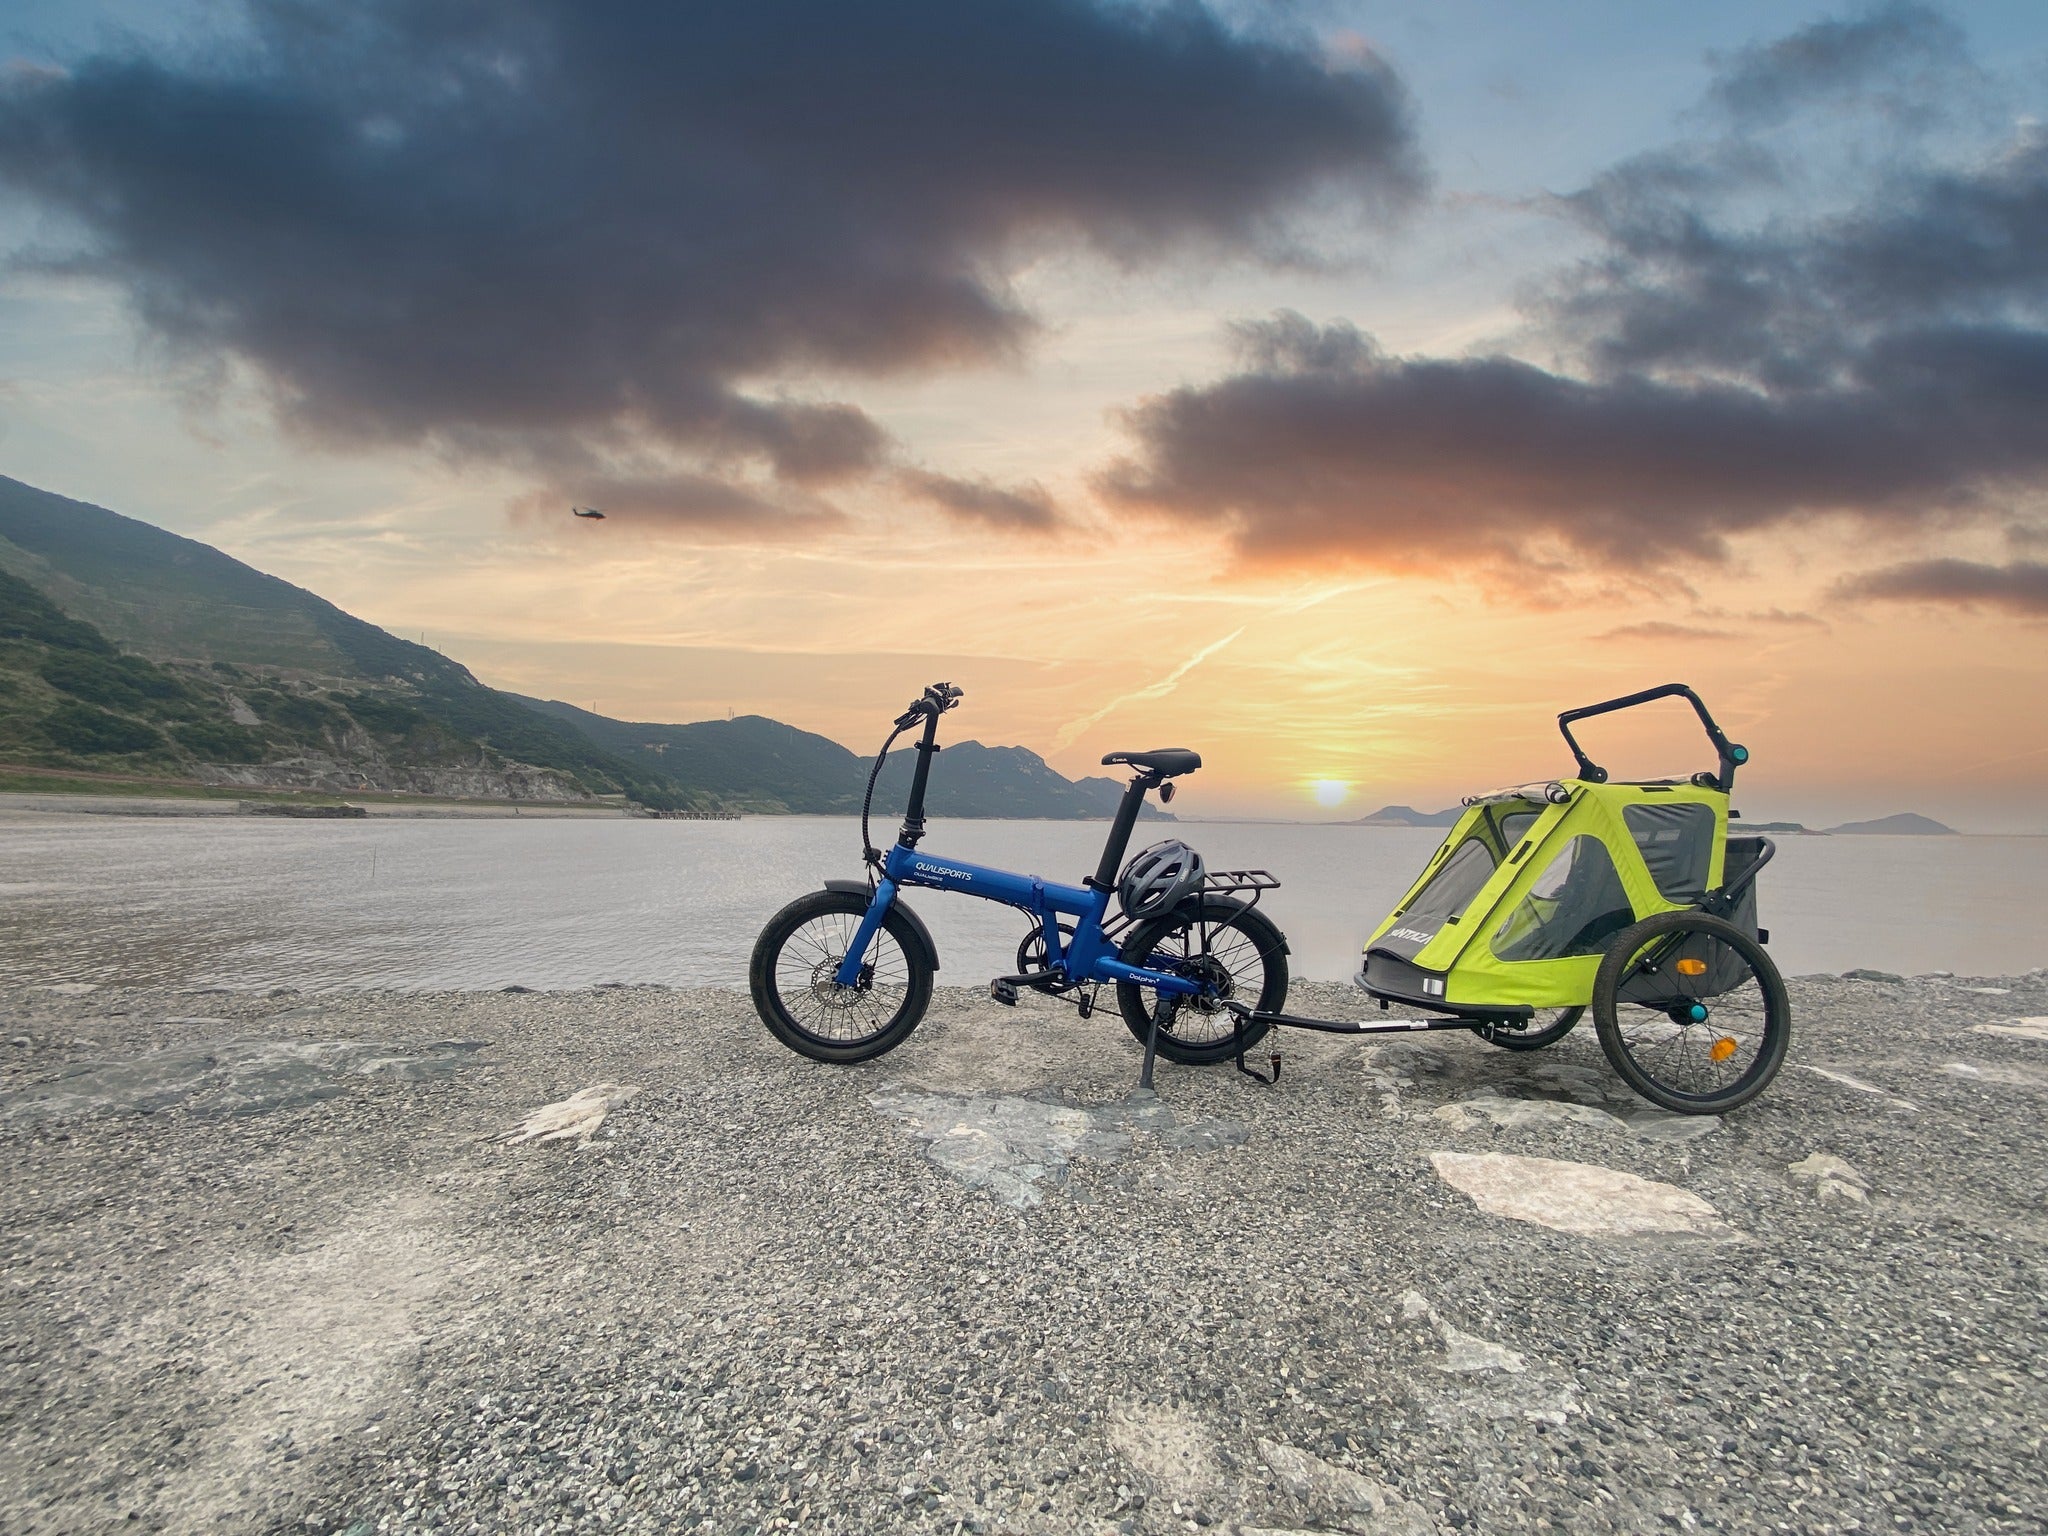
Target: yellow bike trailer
{"type": "Point", "coordinates": [1628, 897]}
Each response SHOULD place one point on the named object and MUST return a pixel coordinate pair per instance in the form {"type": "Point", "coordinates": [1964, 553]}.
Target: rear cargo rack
{"type": "Point", "coordinates": [1242, 883]}
{"type": "Point", "coordinates": [1235, 882]}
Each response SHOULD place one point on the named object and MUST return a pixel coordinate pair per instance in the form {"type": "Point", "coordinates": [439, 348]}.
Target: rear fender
{"type": "Point", "coordinates": [923, 934]}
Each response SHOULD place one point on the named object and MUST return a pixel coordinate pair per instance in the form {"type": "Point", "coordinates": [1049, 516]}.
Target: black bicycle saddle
{"type": "Point", "coordinates": [1167, 762]}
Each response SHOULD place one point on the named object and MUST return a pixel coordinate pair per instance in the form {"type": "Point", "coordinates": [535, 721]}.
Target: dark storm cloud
{"type": "Point", "coordinates": [1792, 304]}
{"type": "Point", "coordinates": [1330, 445]}
{"type": "Point", "coordinates": [2021, 587]}
{"type": "Point", "coordinates": [1026, 507]}
{"type": "Point", "coordinates": [1896, 57]}
{"type": "Point", "coordinates": [451, 220]}
{"type": "Point", "coordinates": [1725, 370]}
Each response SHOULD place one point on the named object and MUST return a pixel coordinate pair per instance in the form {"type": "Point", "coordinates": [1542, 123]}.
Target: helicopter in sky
{"type": "Point", "coordinates": [587, 512]}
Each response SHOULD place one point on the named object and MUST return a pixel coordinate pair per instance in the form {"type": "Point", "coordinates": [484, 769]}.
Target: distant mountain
{"type": "Point", "coordinates": [192, 664]}
{"type": "Point", "coordinates": [130, 649]}
{"type": "Point", "coordinates": [1407, 816]}
{"type": "Point", "coordinates": [1905, 824]}
{"type": "Point", "coordinates": [754, 763]}
{"type": "Point", "coordinates": [1107, 792]}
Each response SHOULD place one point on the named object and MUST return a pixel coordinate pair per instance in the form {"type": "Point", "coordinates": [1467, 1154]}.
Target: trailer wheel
{"type": "Point", "coordinates": [1549, 1026]}
{"type": "Point", "coordinates": [1691, 1012]}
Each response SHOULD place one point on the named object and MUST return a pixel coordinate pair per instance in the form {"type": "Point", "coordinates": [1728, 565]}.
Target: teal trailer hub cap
{"type": "Point", "coordinates": [1698, 1013]}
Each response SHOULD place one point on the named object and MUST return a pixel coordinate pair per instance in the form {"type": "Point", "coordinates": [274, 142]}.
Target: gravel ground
{"type": "Point", "coordinates": [268, 1269]}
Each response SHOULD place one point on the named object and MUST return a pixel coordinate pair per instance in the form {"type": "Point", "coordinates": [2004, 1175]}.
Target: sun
{"type": "Point", "coordinates": [1330, 793]}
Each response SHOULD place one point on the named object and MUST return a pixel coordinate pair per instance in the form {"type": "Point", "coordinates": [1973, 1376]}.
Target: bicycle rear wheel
{"type": "Point", "coordinates": [1233, 950]}
{"type": "Point", "coordinates": [1691, 1012]}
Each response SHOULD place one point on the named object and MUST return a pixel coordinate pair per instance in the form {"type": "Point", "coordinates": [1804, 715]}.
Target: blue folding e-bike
{"type": "Point", "coordinates": [844, 974]}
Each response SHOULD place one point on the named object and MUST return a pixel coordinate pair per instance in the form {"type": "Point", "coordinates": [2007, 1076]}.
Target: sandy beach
{"type": "Point", "coordinates": [270, 1269]}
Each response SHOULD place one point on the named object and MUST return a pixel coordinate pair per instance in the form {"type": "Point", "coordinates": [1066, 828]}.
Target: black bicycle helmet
{"type": "Point", "coordinates": [1158, 879]}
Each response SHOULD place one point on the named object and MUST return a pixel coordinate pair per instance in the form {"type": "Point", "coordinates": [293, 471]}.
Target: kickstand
{"type": "Point", "coordinates": [1166, 1005]}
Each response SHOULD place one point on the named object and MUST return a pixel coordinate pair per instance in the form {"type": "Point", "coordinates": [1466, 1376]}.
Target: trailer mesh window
{"type": "Point", "coordinates": [1446, 897]}
{"type": "Point", "coordinates": [1576, 905]}
{"type": "Point", "coordinates": [1677, 844]}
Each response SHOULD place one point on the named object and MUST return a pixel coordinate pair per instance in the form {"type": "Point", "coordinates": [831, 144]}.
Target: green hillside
{"type": "Point", "coordinates": [165, 655]}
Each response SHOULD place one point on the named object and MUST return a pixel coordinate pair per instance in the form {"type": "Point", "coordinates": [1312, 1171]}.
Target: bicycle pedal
{"type": "Point", "coordinates": [1004, 992]}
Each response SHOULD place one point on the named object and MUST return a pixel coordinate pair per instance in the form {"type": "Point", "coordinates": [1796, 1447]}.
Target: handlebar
{"type": "Point", "coordinates": [1732, 756]}
{"type": "Point", "coordinates": [935, 701]}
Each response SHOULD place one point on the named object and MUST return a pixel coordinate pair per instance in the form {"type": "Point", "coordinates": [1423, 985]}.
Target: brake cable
{"type": "Point", "coordinates": [869, 851]}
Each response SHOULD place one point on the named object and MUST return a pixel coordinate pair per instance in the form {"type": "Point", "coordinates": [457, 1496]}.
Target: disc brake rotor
{"type": "Point", "coordinates": [826, 987]}
{"type": "Point", "coordinates": [1217, 982]}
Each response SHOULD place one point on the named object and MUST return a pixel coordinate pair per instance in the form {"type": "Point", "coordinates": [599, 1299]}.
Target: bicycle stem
{"type": "Point", "coordinates": [913, 813]}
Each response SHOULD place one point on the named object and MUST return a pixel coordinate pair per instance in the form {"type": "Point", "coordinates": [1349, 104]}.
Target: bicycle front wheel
{"type": "Point", "coordinates": [794, 977]}
{"type": "Point", "coordinates": [1233, 951]}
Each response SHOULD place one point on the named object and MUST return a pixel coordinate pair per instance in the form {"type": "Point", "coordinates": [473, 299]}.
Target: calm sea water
{"type": "Point", "coordinates": [464, 904]}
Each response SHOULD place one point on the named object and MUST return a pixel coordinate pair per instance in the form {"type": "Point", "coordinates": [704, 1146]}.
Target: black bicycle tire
{"type": "Point", "coordinates": [1220, 913]}
{"type": "Point", "coordinates": [768, 1001]}
{"type": "Point", "coordinates": [1537, 1039]}
{"type": "Point", "coordinates": [1777, 1026]}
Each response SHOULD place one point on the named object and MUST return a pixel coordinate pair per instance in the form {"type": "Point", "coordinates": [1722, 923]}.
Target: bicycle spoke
{"type": "Point", "coordinates": [806, 980]}
{"type": "Point", "coordinates": [1681, 1055]}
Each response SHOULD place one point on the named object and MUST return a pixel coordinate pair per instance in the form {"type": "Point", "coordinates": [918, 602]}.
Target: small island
{"type": "Point", "coordinates": [1904, 824]}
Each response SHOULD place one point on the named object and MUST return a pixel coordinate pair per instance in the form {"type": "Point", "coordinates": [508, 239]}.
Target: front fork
{"type": "Point", "coordinates": [854, 960]}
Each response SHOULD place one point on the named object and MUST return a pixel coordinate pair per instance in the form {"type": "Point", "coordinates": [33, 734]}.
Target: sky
{"type": "Point", "coordinates": [1339, 389]}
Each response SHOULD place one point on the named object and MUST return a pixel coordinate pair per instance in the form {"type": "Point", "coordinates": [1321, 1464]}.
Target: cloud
{"type": "Point", "coordinates": [1792, 303]}
{"type": "Point", "coordinates": [1024, 507]}
{"type": "Point", "coordinates": [1333, 446]}
{"type": "Point", "coordinates": [2021, 587]}
{"type": "Point", "coordinates": [428, 221]}
{"type": "Point", "coordinates": [680, 498]}
{"type": "Point", "coordinates": [1742, 354]}
{"type": "Point", "coordinates": [1663, 629]}
{"type": "Point", "coordinates": [1896, 57]}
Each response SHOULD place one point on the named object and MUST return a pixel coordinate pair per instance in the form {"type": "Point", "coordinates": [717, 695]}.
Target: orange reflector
{"type": "Point", "coordinates": [1692, 967]}
{"type": "Point", "coordinates": [1723, 1048]}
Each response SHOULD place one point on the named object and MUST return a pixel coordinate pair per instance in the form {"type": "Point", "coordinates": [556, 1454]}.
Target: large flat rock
{"type": "Point", "coordinates": [1580, 1198]}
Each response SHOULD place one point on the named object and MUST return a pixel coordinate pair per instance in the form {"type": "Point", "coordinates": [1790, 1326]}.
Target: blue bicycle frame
{"type": "Point", "coordinates": [1088, 957]}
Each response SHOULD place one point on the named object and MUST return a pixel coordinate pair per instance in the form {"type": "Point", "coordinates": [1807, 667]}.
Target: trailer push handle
{"type": "Point", "coordinates": [1732, 756]}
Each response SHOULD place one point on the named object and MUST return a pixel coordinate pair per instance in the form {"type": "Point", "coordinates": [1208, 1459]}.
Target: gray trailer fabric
{"type": "Point", "coordinates": [1677, 845]}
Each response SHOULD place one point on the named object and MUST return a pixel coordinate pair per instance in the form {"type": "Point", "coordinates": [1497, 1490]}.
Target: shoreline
{"type": "Point", "coordinates": [40, 805]}
{"type": "Point", "coordinates": [37, 805]}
